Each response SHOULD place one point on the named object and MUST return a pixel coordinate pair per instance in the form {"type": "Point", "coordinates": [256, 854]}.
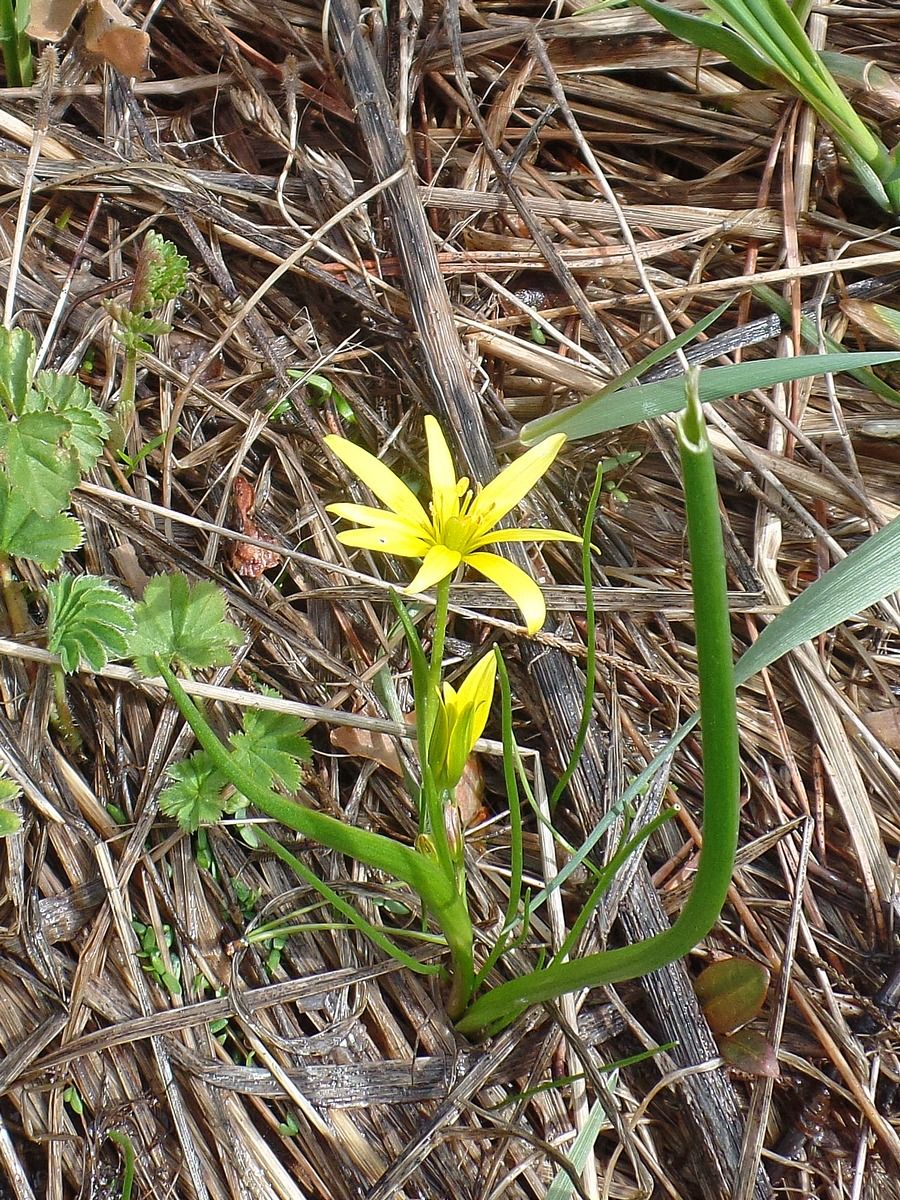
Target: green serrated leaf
{"type": "Point", "coordinates": [26, 534]}
{"type": "Point", "coordinates": [194, 798]}
{"type": "Point", "coordinates": [37, 464]}
{"type": "Point", "coordinates": [89, 621]}
{"type": "Point", "coordinates": [271, 746]}
{"type": "Point", "coordinates": [88, 425]}
{"type": "Point", "coordinates": [16, 368]}
{"type": "Point", "coordinates": [184, 624]}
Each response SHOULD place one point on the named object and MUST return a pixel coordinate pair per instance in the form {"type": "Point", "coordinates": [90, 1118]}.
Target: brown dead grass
{"type": "Point", "coordinates": [249, 143]}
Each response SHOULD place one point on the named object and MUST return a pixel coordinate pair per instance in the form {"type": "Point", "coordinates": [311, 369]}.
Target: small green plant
{"type": "Point", "coordinates": [765, 40]}
{"type": "Point", "coordinates": [160, 275]}
{"type": "Point", "coordinates": [152, 959]}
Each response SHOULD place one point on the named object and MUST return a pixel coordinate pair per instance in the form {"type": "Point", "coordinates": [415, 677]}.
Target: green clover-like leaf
{"type": "Point", "coordinates": [16, 368]}
{"type": "Point", "coordinates": [38, 465]}
{"type": "Point", "coordinates": [194, 798]}
{"type": "Point", "coordinates": [26, 534]}
{"type": "Point", "coordinates": [89, 621]}
{"type": "Point", "coordinates": [271, 746]}
{"type": "Point", "coordinates": [67, 397]}
{"type": "Point", "coordinates": [179, 623]}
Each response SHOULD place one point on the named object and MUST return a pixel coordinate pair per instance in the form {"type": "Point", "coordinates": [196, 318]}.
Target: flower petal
{"type": "Point", "coordinates": [518, 586]}
{"type": "Point", "coordinates": [380, 479]}
{"type": "Point", "coordinates": [527, 535]}
{"type": "Point", "coordinates": [475, 695]}
{"type": "Point", "coordinates": [515, 481]}
{"type": "Point", "coordinates": [444, 492]}
{"type": "Point", "coordinates": [388, 541]}
{"type": "Point", "coordinates": [363, 514]}
{"type": "Point", "coordinates": [440, 561]}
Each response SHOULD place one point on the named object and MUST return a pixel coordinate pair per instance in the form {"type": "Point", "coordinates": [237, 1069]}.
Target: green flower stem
{"type": "Point", "coordinates": [438, 636]}
{"type": "Point", "coordinates": [437, 892]}
{"type": "Point", "coordinates": [123, 414]}
{"type": "Point", "coordinates": [721, 772]}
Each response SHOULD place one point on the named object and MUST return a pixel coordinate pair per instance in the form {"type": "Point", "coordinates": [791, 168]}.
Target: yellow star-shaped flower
{"type": "Point", "coordinates": [459, 523]}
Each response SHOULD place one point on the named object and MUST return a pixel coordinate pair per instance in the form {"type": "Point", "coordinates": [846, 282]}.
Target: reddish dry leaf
{"type": "Point", "coordinates": [750, 1052]}
{"type": "Point", "coordinates": [885, 725]}
{"type": "Point", "coordinates": [363, 743]}
{"type": "Point", "coordinates": [246, 560]}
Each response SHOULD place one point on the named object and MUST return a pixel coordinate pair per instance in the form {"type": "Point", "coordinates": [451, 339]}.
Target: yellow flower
{"type": "Point", "coordinates": [459, 722]}
{"type": "Point", "coordinates": [458, 524]}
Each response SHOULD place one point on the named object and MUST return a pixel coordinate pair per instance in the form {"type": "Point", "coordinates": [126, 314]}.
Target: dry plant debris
{"type": "Point", "coordinates": [336, 289]}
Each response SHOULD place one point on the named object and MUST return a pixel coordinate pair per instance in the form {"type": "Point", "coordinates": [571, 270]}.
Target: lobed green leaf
{"type": "Point", "coordinates": [26, 534]}
{"type": "Point", "coordinates": [195, 797]}
{"type": "Point", "coordinates": [176, 622]}
{"type": "Point", "coordinates": [272, 746]}
{"type": "Point", "coordinates": [88, 426]}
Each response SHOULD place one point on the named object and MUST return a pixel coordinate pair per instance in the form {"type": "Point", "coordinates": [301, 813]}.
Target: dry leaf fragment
{"type": "Point", "coordinates": [249, 561]}
{"type": "Point", "coordinates": [115, 38]}
{"type": "Point", "coordinates": [885, 725]}
{"type": "Point", "coordinates": [50, 19]}
{"type": "Point", "coordinates": [363, 743]}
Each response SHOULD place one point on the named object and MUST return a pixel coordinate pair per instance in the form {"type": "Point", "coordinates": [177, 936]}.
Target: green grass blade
{"type": "Point", "coordinates": [867, 575]}
{"type": "Point", "coordinates": [631, 405]}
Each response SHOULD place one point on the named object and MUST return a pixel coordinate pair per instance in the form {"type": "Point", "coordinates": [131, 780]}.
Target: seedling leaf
{"type": "Point", "coordinates": [194, 798]}
{"type": "Point", "coordinates": [271, 746]}
{"type": "Point", "coordinates": [731, 992]}
{"type": "Point", "coordinates": [10, 822]}
{"type": "Point", "coordinates": [88, 622]}
{"type": "Point", "coordinates": [26, 534]}
{"type": "Point", "coordinates": [184, 624]}
{"type": "Point", "coordinates": [749, 1051]}
{"type": "Point", "coordinates": [168, 270]}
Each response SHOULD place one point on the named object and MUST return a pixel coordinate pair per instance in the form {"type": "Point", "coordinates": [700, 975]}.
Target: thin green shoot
{"type": "Point", "coordinates": [355, 919]}
{"type": "Point", "coordinates": [516, 850]}
{"type": "Point", "coordinates": [606, 875]}
{"type": "Point", "coordinates": [125, 1146]}
{"type": "Point", "coordinates": [590, 666]}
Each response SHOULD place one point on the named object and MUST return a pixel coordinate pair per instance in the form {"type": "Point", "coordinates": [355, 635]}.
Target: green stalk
{"type": "Point", "coordinates": [11, 590]}
{"type": "Point", "coordinates": [437, 892]}
{"type": "Point", "coordinates": [721, 762]}
{"type": "Point", "coordinates": [65, 722]}
{"type": "Point", "coordinates": [123, 414]}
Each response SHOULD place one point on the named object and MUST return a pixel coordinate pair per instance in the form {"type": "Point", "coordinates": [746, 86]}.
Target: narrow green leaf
{"type": "Point", "coordinates": [635, 404]}
{"type": "Point", "coordinates": [710, 35]}
{"type": "Point", "coordinates": [867, 575]}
